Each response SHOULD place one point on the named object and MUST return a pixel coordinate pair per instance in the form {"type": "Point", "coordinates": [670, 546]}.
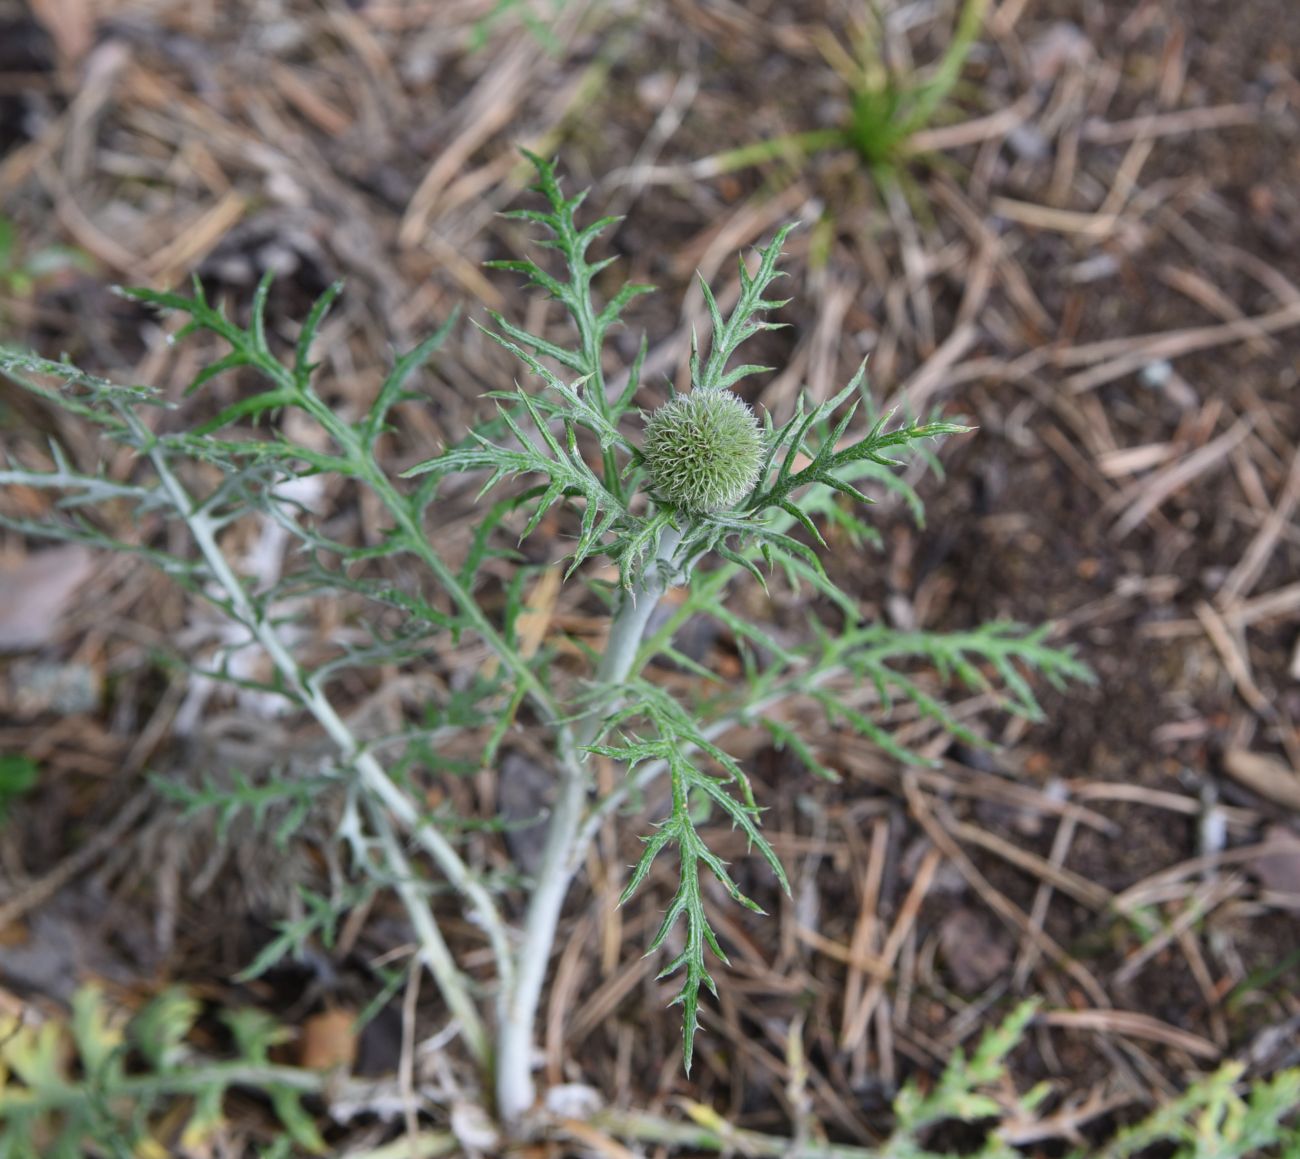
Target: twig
{"type": "Point", "coordinates": [1029, 952]}
{"type": "Point", "coordinates": [1251, 566]}
{"type": "Point", "coordinates": [855, 1025]}
{"type": "Point", "coordinates": [1001, 905]}
{"type": "Point", "coordinates": [1131, 1024]}
{"type": "Point", "coordinates": [1143, 498]}
{"type": "Point", "coordinates": [720, 1136]}
{"type": "Point", "coordinates": [1233, 655]}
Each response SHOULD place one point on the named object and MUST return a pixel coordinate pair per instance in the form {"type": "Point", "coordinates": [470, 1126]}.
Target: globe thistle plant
{"type": "Point", "coordinates": [708, 495]}
{"type": "Point", "coordinates": [703, 451]}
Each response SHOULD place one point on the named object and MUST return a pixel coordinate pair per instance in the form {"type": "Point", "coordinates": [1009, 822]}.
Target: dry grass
{"type": "Point", "coordinates": [1095, 257]}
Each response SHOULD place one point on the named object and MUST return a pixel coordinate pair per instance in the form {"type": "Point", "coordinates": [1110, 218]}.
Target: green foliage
{"type": "Point", "coordinates": [805, 439]}
{"type": "Point", "coordinates": [1219, 1117]}
{"type": "Point", "coordinates": [250, 480]}
{"type": "Point", "coordinates": [580, 405]}
{"type": "Point", "coordinates": [574, 292]}
{"type": "Point", "coordinates": [958, 1094]}
{"type": "Point", "coordinates": [560, 460]}
{"type": "Point", "coordinates": [108, 1082]}
{"type": "Point", "coordinates": [538, 25]}
{"type": "Point", "coordinates": [747, 319]}
{"type": "Point", "coordinates": [887, 107]}
{"type": "Point", "coordinates": [676, 738]}
{"type": "Point", "coordinates": [21, 271]}
{"type": "Point", "coordinates": [18, 775]}
{"type": "Point", "coordinates": [1216, 1119]}
{"type": "Point", "coordinates": [245, 801]}
{"type": "Point", "coordinates": [579, 452]}
{"type": "Point", "coordinates": [986, 659]}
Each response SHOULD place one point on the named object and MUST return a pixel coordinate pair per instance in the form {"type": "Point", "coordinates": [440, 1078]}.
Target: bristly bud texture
{"type": "Point", "coordinates": [704, 450]}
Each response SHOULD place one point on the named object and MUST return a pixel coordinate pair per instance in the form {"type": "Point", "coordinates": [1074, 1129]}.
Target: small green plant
{"type": "Point", "coordinates": [21, 271]}
{"type": "Point", "coordinates": [113, 1082]}
{"type": "Point", "coordinates": [887, 109]}
{"type": "Point", "coordinates": [699, 495]}
{"type": "Point", "coordinates": [1218, 1117]}
{"type": "Point", "coordinates": [107, 1081]}
{"type": "Point", "coordinates": [886, 106]}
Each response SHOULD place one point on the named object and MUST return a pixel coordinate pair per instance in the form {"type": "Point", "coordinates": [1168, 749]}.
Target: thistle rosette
{"type": "Point", "coordinates": [704, 450]}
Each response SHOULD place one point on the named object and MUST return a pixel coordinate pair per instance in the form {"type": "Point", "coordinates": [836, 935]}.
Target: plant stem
{"type": "Point", "coordinates": [722, 1137]}
{"type": "Point", "coordinates": [561, 855]}
{"type": "Point", "coordinates": [635, 608]}
{"type": "Point", "coordinates": [433, 946]}
{"type": "Point", "coordinates": [934, 92]}
{"type": "Point", "coordinates": [420, 1145]}
{"type": "Point", "coordinates": [451, 982]}
{"type": "Point", "coordinates": [401, 510]}
{"type": "Point", "coordinates": [176, 1081]}
{"type": "Point", "coordinates": [797, 146]}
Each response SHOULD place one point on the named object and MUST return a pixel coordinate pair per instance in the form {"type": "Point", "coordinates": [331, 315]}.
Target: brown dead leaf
{"type": "Point", "coordinates": [328, 1039]}
{"type": "Point", "coordinates": [1268, 776]}
{"type": "Point", "coordinates": [534, 621]}
{"type": "Point", "coordinates": [36, 592]}
{"type": "Point", "coordinates": [1278, 867]}
{"type": "Point", "coordinates": [973, 951]}
{"type": "Point", "coordinates": [532, 624]}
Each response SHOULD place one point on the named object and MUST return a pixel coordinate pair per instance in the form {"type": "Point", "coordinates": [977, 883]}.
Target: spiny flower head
{"type": "Point", "coordinates": [704, 450]}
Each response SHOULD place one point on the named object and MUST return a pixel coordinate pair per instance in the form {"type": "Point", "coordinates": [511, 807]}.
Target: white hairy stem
{"type": "Point", "coordinates": [451, 982]}
{"type": "Point", "coordinates": [561, 857]}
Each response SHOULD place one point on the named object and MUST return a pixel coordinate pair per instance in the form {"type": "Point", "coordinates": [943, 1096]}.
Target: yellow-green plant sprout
{"type": "Point", "coordinates": [886, 107]}
{"type": "Point", "coordinates": [104, 1084]}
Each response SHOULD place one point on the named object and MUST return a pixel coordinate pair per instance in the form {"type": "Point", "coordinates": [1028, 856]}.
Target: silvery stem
{"type": "Point", "coordinates": [561, 855]}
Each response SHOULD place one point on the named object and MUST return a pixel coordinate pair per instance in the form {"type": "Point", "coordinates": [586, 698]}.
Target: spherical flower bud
{"type": "Point", "coordinates": [704, 450]}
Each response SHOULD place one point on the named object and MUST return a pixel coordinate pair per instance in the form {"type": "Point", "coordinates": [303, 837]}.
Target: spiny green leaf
{"type": "Point", "coordinates": [161, 1026]}
{"type": "Point", "coordinates": [676, 733]}
{"type": "Point", "coordinates": [744, 323]}
{"type": "Point", "coordinates": [393, 389]}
